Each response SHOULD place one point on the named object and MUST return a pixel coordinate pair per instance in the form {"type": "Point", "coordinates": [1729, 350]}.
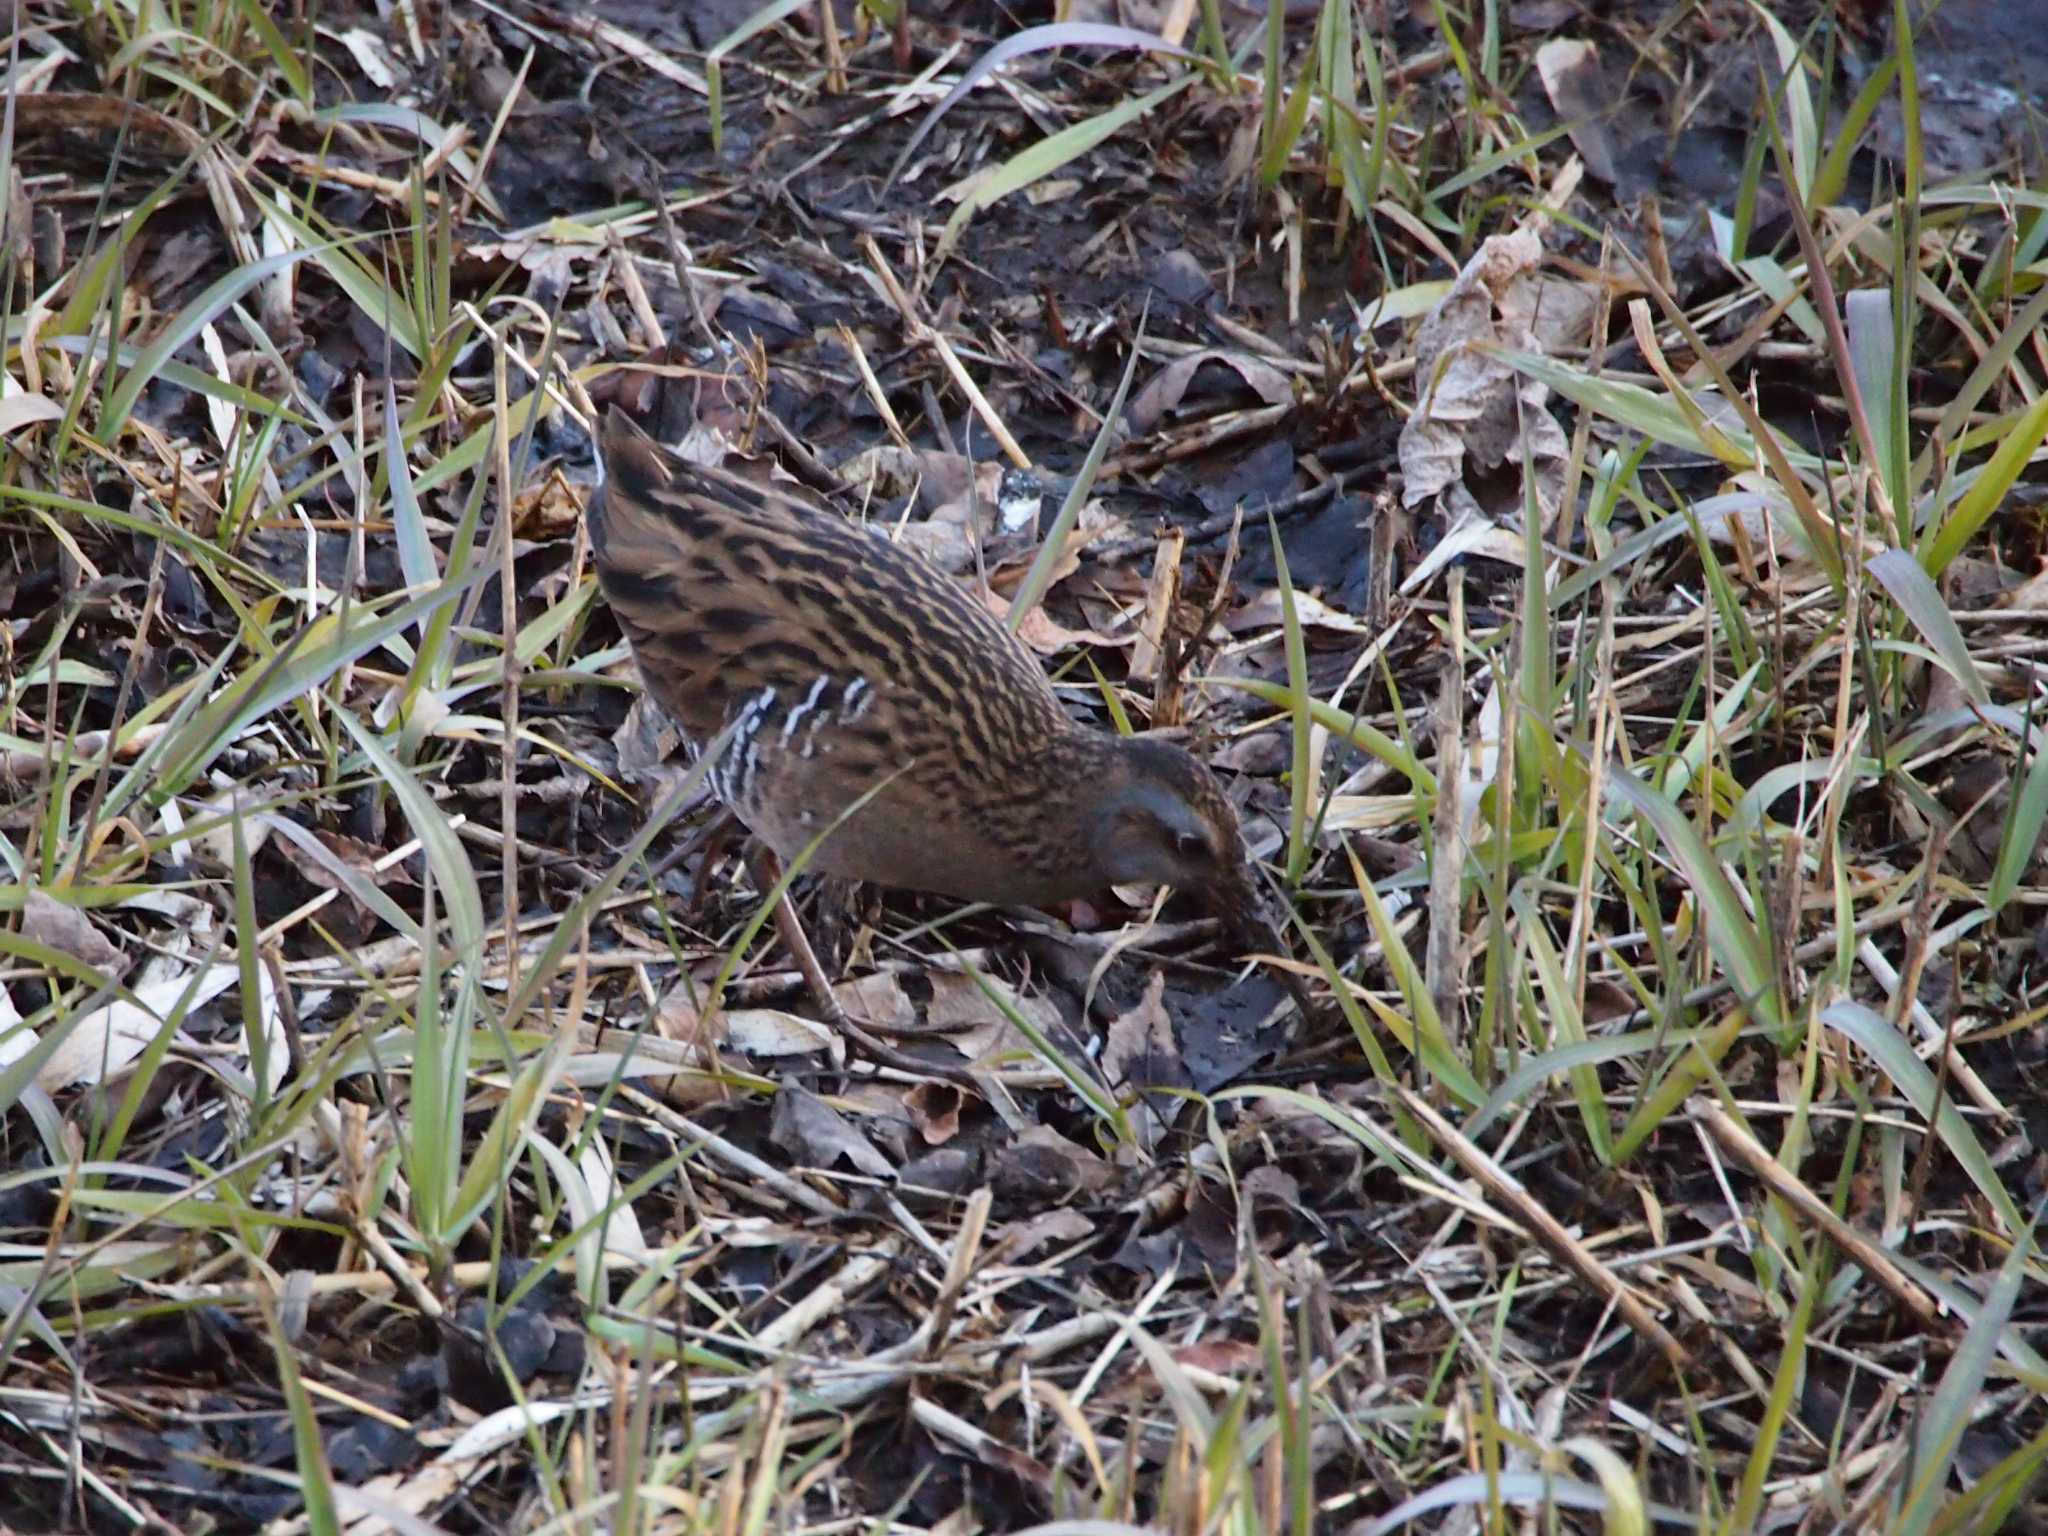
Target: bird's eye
{"type": "Point", "coordinates": [1191, 845]}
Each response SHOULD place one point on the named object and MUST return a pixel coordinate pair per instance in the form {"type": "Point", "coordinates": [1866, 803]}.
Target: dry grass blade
{"type": "Point", "coordinates": [1565, 1248]}
{"type": "Point", "coordinates": [1738, 1142]}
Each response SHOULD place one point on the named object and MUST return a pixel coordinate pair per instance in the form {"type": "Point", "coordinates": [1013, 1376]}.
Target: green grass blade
{"type": "Point", "coordinates": [1895, 1056]}
{"type": "Point", "coordinates": [1920, 601]}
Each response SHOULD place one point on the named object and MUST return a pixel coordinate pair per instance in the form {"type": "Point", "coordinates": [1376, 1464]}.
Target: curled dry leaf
{"type": "Point", "coordinates": [1140, 1044]}
{"type": "Point", "coordinates": [935, 1111]}
{"type": "Point", "coordinates": [1041, 1167]}
{"type": "Point", "coordinates": [750, 1031]}
{"type": "Point", "coordinates": [1016, 1241]}
{"type": "Point", "coordinates": [15, 1041]}
{"type": "Point", "coordinates": [1141, 1053]}
{"type": "Point", "coordinates": [622, 1232]}
{"type": "Point", "coordinates": [1048, 636]}
{"type": "Point", "coordinates": [2030, 596]}
{"type": "Point", "coordinates": [953, 521]}
{"type": "Point", "coordinates": [1272, 1196]}
{"type": "Point", "coordinates": [372, 57]}
{"type": "Point", "coordinates": [18, 411]}
{"type": "Point", "coordinates": [548, 510]}
{"type": "Point", "coordinates": [1217, 1365]}
{"type": "Point", "coordinates": [1167, 389]}
{"type": "Point", "coordinates": [324, 857]}
{"type": "Point", "coordinates": [1476, 414]}
{"type": "Point", "coordinates": [1264, 612]}
{"type": "Point", "coordinates": [772, 1032]}
{"type": "Point", "coordinates": [885, 472]}
{"type": "Point", "coordinates": [747, 310]}
{"type": "Point", "coordinates": [646, 738]}
{"type": "Point", "coordinates": [877, 1001]}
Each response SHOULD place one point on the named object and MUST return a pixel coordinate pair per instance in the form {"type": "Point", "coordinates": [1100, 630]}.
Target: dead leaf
{"type": "Point", "coordinates": [1056, 189]}
{"type": "Point", "coordinates": [549, 510]}
{"type": "Point", "coordinates": [814, 1133]}
{"type": "Point", "coordinates": [1140, 1039]}
{"type": "Point", "coordinates": [947, 539]}
{"type": "Point", "coordinates": [1016, 1241]}
{"type": "Point", "coordinates": [372, 57]}
{"type": "Point", "coordinates": [2030, 596]}
{"type": "Point", "coordinates": [646, 738]}
{"type": "Point", "coordinates": [1222, 1359]}
{"type": "Point", "coordinates": [1166, 390]}
{"type": "Point", "coordinates": [876, 1001]}
{"type": "Point", "coordinates": [885, 472]}
{"type": "Point", "coordinates": [65, 928]}
{"type": "Point", "coordinates": [1264, 612]}
{"type": "Point", "coordinates": [349, 853]}
{"type": "Point", "coordinates": [15, 1042]}
{"type": "Point", "coordinates": [748, 310]}
{"type": "Point", "coordinates": [100, 1045]}
{"type": "Point", "coordinates": [620, 1231]}
{"type": "Point", "coordinates": [976, 1026]}
{"type": "Point", "coordinates": [1273, 1197]}
{"type": "Point", "coordinates": [18, 411]}
{"type": "Point", "coordinates": [1475, 411]}
{"type": "Point", "coordinates": [772, 1032]}
{"type": "Point", "coordinates": [1041, 1167]}
{"type": "Point", "coordinates": [750, 1031]}
{"type": "Point", "coordinates": [1572, 78]}
{"type": "Point", "coordinates": [935, 1111]}
{"type": "Point", "coordinates": [1046, 635]}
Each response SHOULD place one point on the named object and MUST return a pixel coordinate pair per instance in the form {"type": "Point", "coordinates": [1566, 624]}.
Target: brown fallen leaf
{"type": "Point", "coordinates": [1570, 70]}
{"type": "Point", "coordinates": [1048, 637]}
{"type": "Point", "coordinates": [935, 1110]}
{"type": "Point", "coordinates": [876, 1001]}
{"type": "Point", "coordinates": [975, 1025]}
{"type": "Point", "coordinates": [1164, 392]}
{"type": "Point", "coordinates": [61, 926]}
{"type": "Point", "coordinates": [813, 1132]}
{"type": "Point", "coordinates": [1041, 1167]}
{"type": "Point", "coordinates": [1476, 414]}
{"type": "Point", "coordinates": [1016, 1241]}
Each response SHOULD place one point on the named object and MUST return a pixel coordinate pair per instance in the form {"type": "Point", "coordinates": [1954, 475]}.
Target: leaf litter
{"type": "Point", "coordinates": [1686, 1123]}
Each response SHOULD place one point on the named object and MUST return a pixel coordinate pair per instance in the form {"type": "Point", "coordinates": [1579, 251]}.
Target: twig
{"type": "Point", "coordinates": [1745, 1149]}
{"type": "Point", "coordinates": [1548, 1230]}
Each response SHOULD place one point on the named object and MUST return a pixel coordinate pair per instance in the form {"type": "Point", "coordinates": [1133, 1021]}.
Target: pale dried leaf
{"type": "Point", "coordinates": [1016, 1241]}
{"type": "Point", "coordinates": [772, 1032]}
{"type": "Point", "coordinates": [102, 1044]}
{"type": "Point", "coordinates": [622, 1233]}
{"type": "Point", "coordinates": [1570, 71]}
{"type": "Point", "coordinates": [1474, 408]}
{"type": "Point", "coordinates": [877, 1001]}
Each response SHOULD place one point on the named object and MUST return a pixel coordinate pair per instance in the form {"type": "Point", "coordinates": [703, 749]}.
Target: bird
{"type": "Point", "coordinates": [870, 705]}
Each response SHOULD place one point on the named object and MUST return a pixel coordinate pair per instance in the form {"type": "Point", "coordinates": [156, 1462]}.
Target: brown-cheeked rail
{"type": "Point", "coordinates": [841, 661]}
